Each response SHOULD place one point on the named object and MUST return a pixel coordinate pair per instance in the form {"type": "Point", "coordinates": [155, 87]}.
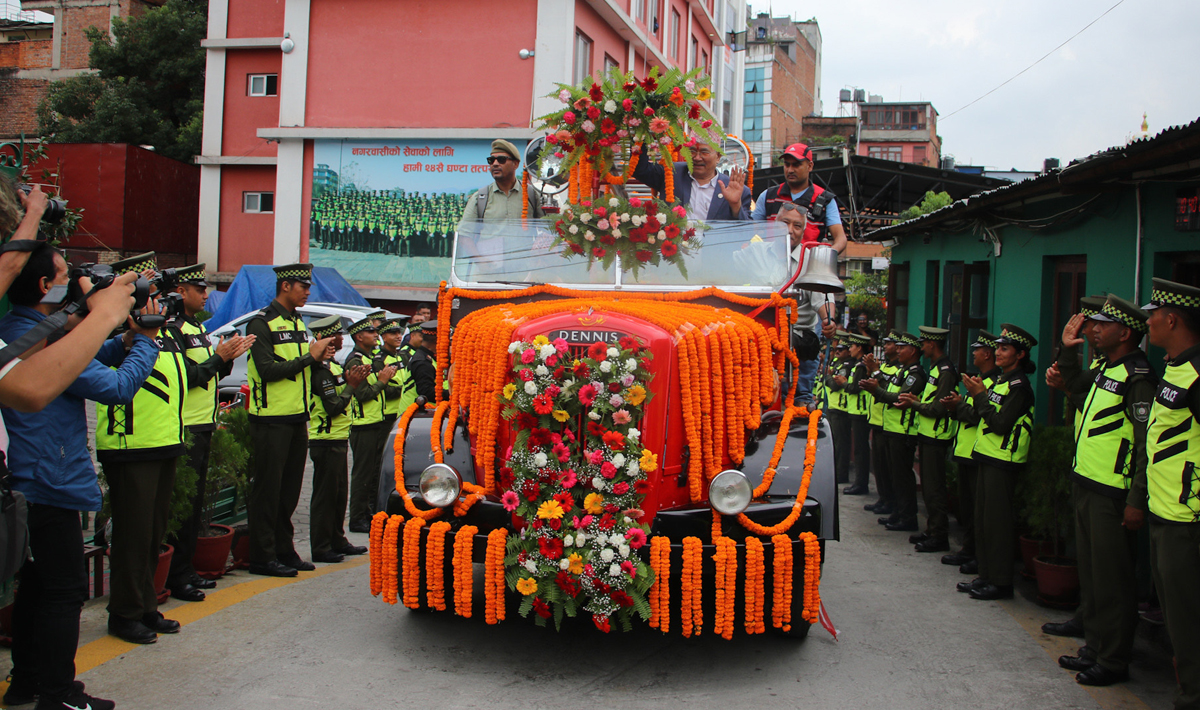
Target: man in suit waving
{"type": "Point", "coordinates": [707, 195]}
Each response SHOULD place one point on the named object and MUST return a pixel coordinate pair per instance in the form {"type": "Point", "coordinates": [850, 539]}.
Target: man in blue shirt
{"type": "Point", "coordinates": [819, 205]}
{"type": "Point", "coordinates": [50, 464]}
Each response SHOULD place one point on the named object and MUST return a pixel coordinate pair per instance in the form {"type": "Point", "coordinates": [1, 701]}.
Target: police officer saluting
{"type": "Point", "coordinates": [139, 445]}
{"type": "Point", "coordinates": [1110, 457]}
{"type": "Point", "coordinates": [328, 429]}
{"type": "Point", "coordinates": [368, 430]}
{"type": "Point", "coordinates": [935, 432]}
{"type": "Point", "coordinates": [280, 381]}
{"type": "Point", "coordinates": [1001, 448]}
{"type": "Point", "coordinates": [204, 366]}
{"type": "Point", "coordinates": [1173, 484]}
{"type": "Point", "coordinates": [983, 354]}
{"type": "Point", "coordinates": [900, 430]}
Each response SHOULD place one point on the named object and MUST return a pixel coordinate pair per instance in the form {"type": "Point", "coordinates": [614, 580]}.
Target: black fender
{"type": "Point", "coordinates": [418, 456]}
{"type": "Point", "coordinates": [790, 471]}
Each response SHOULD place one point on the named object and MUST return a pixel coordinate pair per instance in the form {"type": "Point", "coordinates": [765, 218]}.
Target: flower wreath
{"type": "Point", "coordinates": [639, 231]}
{"type": "Point", "coordinates": [576, 496]}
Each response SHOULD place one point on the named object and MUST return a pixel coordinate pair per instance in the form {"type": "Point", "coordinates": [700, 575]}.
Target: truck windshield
{"type": "Point", "coordinates": [741, 256]}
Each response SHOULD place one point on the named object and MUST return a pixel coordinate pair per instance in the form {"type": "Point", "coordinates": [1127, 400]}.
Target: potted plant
{"type": "Point", "coordinates": [1049, 511]}
{"type": "Point", "coordinates": [227, 468]}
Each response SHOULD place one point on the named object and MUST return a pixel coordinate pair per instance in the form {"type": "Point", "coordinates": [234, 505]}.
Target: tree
{"type": "Point", "coordinates": [148, 88]}
{"type": "Point", "coordinates": [865, 293]}
{"type": "Point", "coordinates": [933, 201]}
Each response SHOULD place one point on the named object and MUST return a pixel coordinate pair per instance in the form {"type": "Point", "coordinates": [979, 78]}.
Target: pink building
{"type": "Point", "coordinates": [340, 115]}
{"type": "Point", "coordinates": [904, 132]}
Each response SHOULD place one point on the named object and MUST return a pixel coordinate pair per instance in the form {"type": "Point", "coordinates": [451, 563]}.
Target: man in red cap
{"type": "Point", "coordinates": [819, 204]}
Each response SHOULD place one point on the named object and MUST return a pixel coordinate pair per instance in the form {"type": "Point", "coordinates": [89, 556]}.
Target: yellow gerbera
{"type": "Point", "coordinates": [576, 563]}
{"type": "Point", "coordinates": [637, 395]}
{"type": "Point", "coordinates": [561, 415]}
{"type": "Point", "coordinates": [541, 340]}
{"type": "Point", "coordinates": [704, 94]}
{"type": "Point", "coordinates": [528, 585]}
{"type": "Point", "coordinates": [509, 390]}
{"type": "Point", "coordinates": [594, 503]}
{"type": "Point", "coordinates": [649, 461]}
{"type": "Point", "coordinates": [550, 510]}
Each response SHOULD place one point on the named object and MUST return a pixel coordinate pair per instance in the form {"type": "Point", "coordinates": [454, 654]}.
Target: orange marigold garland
{"type": "Point", "coordinates": [391, 558]}
{"type": "Point", "coordinates": [524, 195]}
{"type": "Point", "coordinates": [781, 601]}
{"type": "Point", "coordinates": [493, 576]}
{"type": "Point", "coordinates": [435, 566]}
{"type": "Point", "coordinates": [691, 586]}
{"type": "Point", "coordinates": [398, 444]}
{"type": "Point", "coordinates": [810, 457]}
{"type": "Point", "coordinates": [435, 433]}
{"type": "Point", "coordinates": [660, 593]}
{"type": "Point", "coordinates": [812, 577]}
{"type": "Point", "coordinates": [755, 570]}
{"type": "Point", "coordinates": [375, 550]}
{"type": "Point", "coordinates": [411, 558]}
{"type": "Point", "coordinates": [725, 561]}
{"type": "Point", "coordinates": [464, 584]}
{"type": "Point", "coordinates": [668, 175]}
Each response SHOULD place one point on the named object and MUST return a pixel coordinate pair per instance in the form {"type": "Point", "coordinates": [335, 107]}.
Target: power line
{"type": "Point", "coordinates": [1039, 61]}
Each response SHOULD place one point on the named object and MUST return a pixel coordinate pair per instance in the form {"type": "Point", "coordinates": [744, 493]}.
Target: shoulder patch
{"type": "Point", "coordinates": [1141, 412]}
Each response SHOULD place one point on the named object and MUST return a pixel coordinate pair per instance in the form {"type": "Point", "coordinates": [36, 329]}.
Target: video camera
{"type": "Point", "coordinates": [102, 276]}
{"type": "Point", "coordinates": [56, 209]}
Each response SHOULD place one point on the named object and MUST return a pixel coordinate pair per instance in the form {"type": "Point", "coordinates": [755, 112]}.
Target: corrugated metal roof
{"type": "Point", "coordinates": [1076, 170]}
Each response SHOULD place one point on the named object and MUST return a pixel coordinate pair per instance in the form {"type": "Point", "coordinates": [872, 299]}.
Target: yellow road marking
{"type": "Point", "coordinates": [1113, 697]}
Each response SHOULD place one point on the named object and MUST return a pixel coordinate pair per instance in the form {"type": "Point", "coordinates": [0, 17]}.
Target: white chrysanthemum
{"type": "Point", "coordinates": [606, 554]}
{"type": "Point", "coordinates": [568, 383]}
{"type": "Point", "coordinates": [633, 433]}
{"type": "Point", "coordinates": [594, 416]}
{"type": "Point", "coordinates": [547, 350]}
{"type": "Point", "coordinates": [662, 217]}
{"type": "Point", "coordinates": [616, 233]}
{"type": "Point", "coordinates": [531, 566]}
{"type": "Point", "coordinates": [514, 346]}
{"type": "Point", "coordinates": [541, 371]}
{"type": "Point", "coordinates": [612, 201]}
{"type": "Point", "coordinates": [627, 379]}
{"type": "Point", "coordinates": [613, 352]}
{"type": "Point", "coordinates": [636, 220]}
{"type": "Point", "coordinates": [573, 229]}
{"type": "Point", "coordinates": [631, 364]}
{"type": "Point", "coordinates": [624, 550]}
{"type": "Point", "coordinates": [568, 541]}
{"type": "Point", "coordinates": [564, 564]}
{"type": "Point", "coordinates": [614, 570]}
{"type": "Point", "coordinates": [662, 234]}
{"type": "Point", "coordinates": [581, 539]}
{"type": "Point", "coordinates": [598, 483]}
{"type": "Point", "coordinates": [589, 236]}
{"type": "Point", "coordinates": [634, 468]}
{"type": "Point", "coordinates": [625, 217]}
{"type": "Point", "coordinates": [601, 539]}
{"type": "Point", "coordinates": [530, 388]}
{"type": "Point", "coordinates": [610, 106]}
{"type": "Point", "coordinates": [618, 460]}
{"type": "Point", "coordinates": [585, 217]}
{"type": "Point", "coordinates": [606, 366]}
{"type": "Point", "coordinates": [539, 459]}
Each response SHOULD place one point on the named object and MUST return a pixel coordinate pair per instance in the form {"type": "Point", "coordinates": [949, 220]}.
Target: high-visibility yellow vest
{"type": "Point", "coordinates": [153, 421]}
{"type": "Point", "coordinates": [1104, 450]}
{"type": "Point", "coordinates": [937, 428]}
{"type": "Point", "coordinates": [1173, 447]}
{"type": "Point", "coordinates": [370, 412]}
{"type": "Point", "coordinates": [402, 379]}
{"type": "Point", "coordinates": [287, 397]}
{"type": "Point", "coordinates": [1013, 447]}
{"type": "Point", "coordinates": [857, 403]}
{"type": "Point", "coordinates": [322, 427]}
{"type": "Point", "coordinates": [897, 420]}
{"type": "Point", "coordinates": [887, 371]}
{"type": "Point", "coordinates": [964, 440]}
{"type": "Point", "coordinates": [200, 408]}
{"type": "Point", "coordinates": [838, 397]}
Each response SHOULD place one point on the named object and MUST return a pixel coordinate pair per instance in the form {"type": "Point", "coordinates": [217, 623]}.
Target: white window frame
{"type": "Point", "coordinates": [252, 203]}
{"type": "Point", "coordinates": [250, 79]}
{"type": "Point", "coordinates": [583, 44]}
{"type": "Point", "coordinates": [673, 35]}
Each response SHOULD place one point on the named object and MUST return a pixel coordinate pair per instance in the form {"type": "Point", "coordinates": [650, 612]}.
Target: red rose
{"type": "Point", "coordinates": [627, 104]}
{"type": "Point", "coordinates": [614, 387]}
{"type": "Point", "coordinates": [541, 607]}
{"type": "Point", "coordinates": [647, 111]}
{"type": "Point", "coordinates": [598, 252]}
{"type": "Point", "coordinates": [598, 351]}
{"type": "Point", "coordinates": [669, 249]}
{"type": "Point", "coordinates": [612, 509]}
{"type": "Point", "coordinates": [558, 374]}
{"type": "Point", "coordinates": [536, 524]}
{"type": "Point", "coordinates": [694, 111]}
{"type": "Point", "coordinates": [526, 375]}
{"type": "Point", "coordinates": [593, 112]}
{"type": "Point", "coordinates": [643, 256]}
{"type": "Point", "coordinates": [555, 523]}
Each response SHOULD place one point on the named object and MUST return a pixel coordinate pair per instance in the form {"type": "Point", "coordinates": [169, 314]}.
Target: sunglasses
{"type": "Point", "coordinates": [502, 159]}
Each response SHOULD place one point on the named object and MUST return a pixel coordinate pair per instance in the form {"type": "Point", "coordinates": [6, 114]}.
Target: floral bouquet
{"type": "Point", "coordinates": [640, 231]}
{"type": "Point", "coordinates": [577, 495]}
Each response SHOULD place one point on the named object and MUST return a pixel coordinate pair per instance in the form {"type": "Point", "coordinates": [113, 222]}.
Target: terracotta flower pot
{"type": "Point", "coordinates": [212, 552]}
{"type": "Point", "coordinates": [1057, 581]}
{"type": "Point", "coordinates": [1031, 548]}
{"type": "Point", "coordinates": [241, 549]}
{"type": "Point", "coordinates": [160, 572]}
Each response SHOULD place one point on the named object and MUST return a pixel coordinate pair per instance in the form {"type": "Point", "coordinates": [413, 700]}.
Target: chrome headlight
{"type": "Point", "coordinates": [729, 493]}
{"type": "Point", "coordinates": [440, 485]}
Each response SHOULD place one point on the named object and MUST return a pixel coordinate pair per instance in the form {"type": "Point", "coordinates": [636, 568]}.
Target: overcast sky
{"type": "Point", "coordinates": [1085, 97]}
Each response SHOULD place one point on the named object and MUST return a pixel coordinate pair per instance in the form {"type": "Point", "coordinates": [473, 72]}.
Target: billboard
{"type": "Point", "coordinates": [385, 212]}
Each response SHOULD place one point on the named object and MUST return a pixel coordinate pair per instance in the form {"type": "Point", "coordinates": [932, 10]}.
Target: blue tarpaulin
{"type": "Point", "coordinates": [254, 288]}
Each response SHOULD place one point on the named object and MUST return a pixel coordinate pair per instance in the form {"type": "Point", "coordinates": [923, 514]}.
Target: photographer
{"type": "Point", "coordinates": [139, 444]}
{"type": "Point", "coordinates": [20, 215]}
{"type": "Point", "coordinates": [50, 463]}
{"type": "Point", "coordinates": [204, 367]}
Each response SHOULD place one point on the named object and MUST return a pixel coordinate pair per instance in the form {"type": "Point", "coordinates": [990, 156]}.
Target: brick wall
{"type": "Point", "coordinates": [10, 54]}
{"type": "Point", "coordinates": [19, 99]}
{"type": "Point", "coordinates": [26, 54]}
{"type": "Point", "coordinates": [75, 45]}
{"type": "Point", "coordinates": [793, 90]}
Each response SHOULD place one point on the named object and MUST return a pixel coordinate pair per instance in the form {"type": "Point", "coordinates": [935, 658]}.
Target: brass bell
{"type": "Point", "coordinates": [819, 272]}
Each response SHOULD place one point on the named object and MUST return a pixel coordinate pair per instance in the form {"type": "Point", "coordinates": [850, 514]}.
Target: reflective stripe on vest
{"type": "Point", "coordinates": [154, 419]}
{"type": "Point", "coordinates": [964, 440]}
{"type": "Point", "coordinates": [1012, 447]}
{"type": "Point", "coordinates": [857, 403]}
{"type": "Point", "coordinates": [287, 397]}
{"type": "Point", "coordinates": [370, 412]}
{"type": "Point", "coordinates": [941, 428]}
{"type": "Point", "coordinates": [200, 407]}
{"type": "Point", "coordinates": [393, 407]}
{"type": "Point", "coordinates": [1104, 437]}
{"type": "Point", "coordinates": [322, 427]}
{"type": "Point", "coordinates": [895, 419]}
{"type": "Point", "coordinates": [887, 371]}
{"type": "Point", "coordinates": [1173, 447]}
{"type": "Point", "coordinates": [838, 398]}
